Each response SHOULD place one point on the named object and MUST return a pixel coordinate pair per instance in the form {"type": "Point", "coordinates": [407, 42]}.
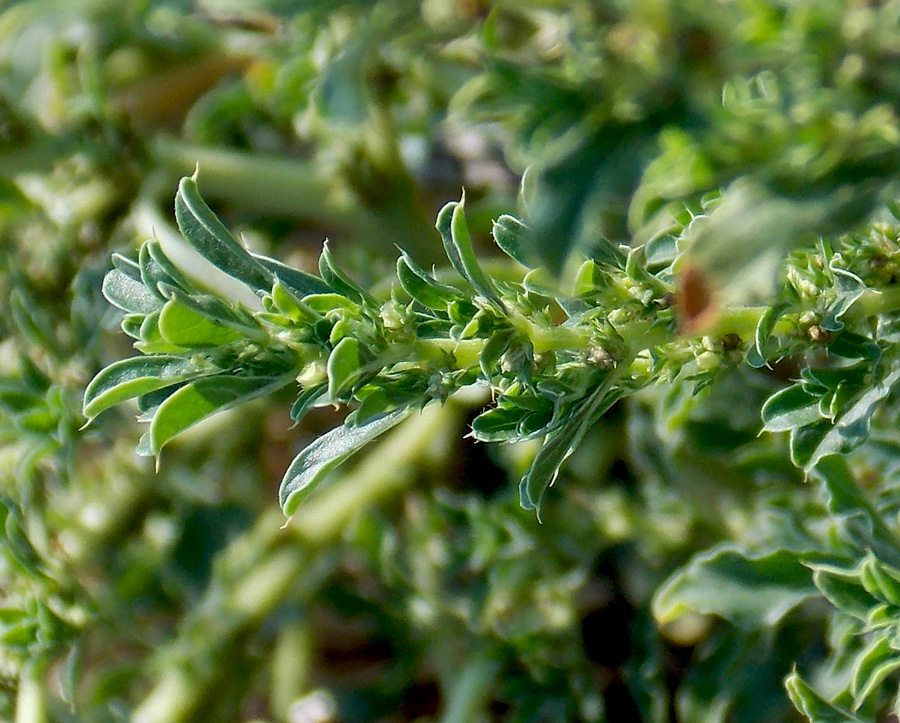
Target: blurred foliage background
{"type": "Point", "coordinates": [414, 587]}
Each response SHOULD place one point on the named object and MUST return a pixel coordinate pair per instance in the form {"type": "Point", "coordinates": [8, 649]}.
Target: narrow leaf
{"type": "Point", "coordinates": [752, 591]}
{"type": "Point", "coordinates": [514, 238]}
{"type": "Point", "coordinates": [204, 397]}
{"type": "Point", "coordinates": [297, 282]}
{"type": "Point", "coordinates": [312, 465]}
{"type": "Point", "coordinates": [788, 408]}
{"type": "Point", "coordinates": [185, 327]}
{"type": "Point", "coordinates": [129, 295]}
{"type": "Point", "coordinates": [814, 706]}
{"type": "Point", "coordinates": [451, 223]}
{"type": "Point", "coordinates": [343, 366]}
{"type": "Point", "coordinates": [338, 281]}
{"type": "Point", "coordinates": [134, 377]}
{"type": "Point", "coordinates": [203, 230]}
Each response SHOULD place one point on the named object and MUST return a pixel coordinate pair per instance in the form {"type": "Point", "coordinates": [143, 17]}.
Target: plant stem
{"type": "Point", "coordinates": [466, 699]}
{"type": "Point", "coordinates": [31, 704]}
{"type": "Point", "coordinates": [270, 565]}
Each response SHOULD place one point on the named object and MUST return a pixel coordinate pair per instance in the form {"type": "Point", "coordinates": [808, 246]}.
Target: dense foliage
{"type": "Point", "coordinates": [631, 404]}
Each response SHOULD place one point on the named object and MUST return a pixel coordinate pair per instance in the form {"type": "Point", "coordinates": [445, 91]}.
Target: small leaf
{"type": "Point", "coordinates": [498, 424]}
{"type": "Point", "coordinates": [134, 377]}
{"type": "Point", "coordinates": [514, 238]}
{"type": "Point", "coordinates": [812, 705]}
{"type": "Point", "coordinates": [561, 442]}
{"type": "Point", "coordinates": [297, 282]}
{"type": "Point", "coordinates": [849, 287]}
{"type": "Point", "coordinates": [494, 348]}
{"type": "Point", "coordinates": [789, 408]}
{"type": "Point", "coordinates": [756, 358]}
{"type": "Point", "coordinates": [422, 286]}
{"type": "Point", "coordinates": [307, 399]}
{"type": "Point", "coordinates": [203, 230]}
{"type": "Point", "coordinates": [129, 295]}
{"type": "Point", "coordinates": [875, 663]}
{"type": "Point", "coordinates": [343, 366]}
{"type": "Point", "coordinates": [451, 223]}
{"type": "Point", "coordinates": [852, 427]}
{"type": "Point", "coordinates": [183, 326]}
{"type": "Point", "coordinates": [752, 591]}
{"type": "Point", "coordinates": [338, 280]}
{"type": "Point", "coordinates": [203, 398]}
{"type": "Point", "coordinates": [311, 466]}
{"type": "Point", "coordinates": [843, 589]}
{"type": "Point", "coordinates": [860, 523]}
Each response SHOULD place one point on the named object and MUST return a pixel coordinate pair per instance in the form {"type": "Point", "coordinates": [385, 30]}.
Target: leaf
{"type": "Point", "coordinates": [494, 348]}
{"type": "Point", "coordinates": [204, 397]}
{"type": "Point", "coordinates": [852, 427]}
{"type": "Point", "coordinates": [789, 408]}
{"type": "Point", "coordinates": [306, 400]}
{"type": "Point", "coordinates": [860, 523]}
{"type": "Point", "coordinates": [756, 357]}
{"type": "Point", "coordinates": [203, 230]}
{"type": "Point", "coordinates": [875, 663]}
{"type": "Point", "coordinates": [297, 282]}
{"type": "Point", "coordinates": [422, 286]}
{"type": "Point", "coordinates": [752, 591]}
{"type": "Point", "coordinates": [311, 466]}
{"type": "Point", "coordinates": [514, 238]}
{"type": "Point", "coordinates": [343, 366]}
{"type": "Point", "coordinates": [185, 327]}
{"type": "Point", "coordinates": [338, 280]}
{"type": "Point", "coordinates": [848, 287]}
{"type": "Point", "coordinates": [561, 442]}
{"type": "Point", "coordinates": [134, 377]}
{"type": "Point", "coordinates": [129, 295]}
{"type": "Point", "coordinates": [451, 224]}
{"type": "Point", "coordinates": [499, 424]}
{"type": "Point", "coordinates": [842, 588]}
{"type": "Point", "coordinates": [812, 705]}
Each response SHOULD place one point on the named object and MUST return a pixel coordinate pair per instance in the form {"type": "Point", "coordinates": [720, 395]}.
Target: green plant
{"type": "Point", "coordinates": [554, 364]}
{"type": "Point", "coordinates": [694, 336]}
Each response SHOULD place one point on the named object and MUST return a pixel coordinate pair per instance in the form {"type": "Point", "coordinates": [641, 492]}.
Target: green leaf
{"type": "Point", "coordinates": [514, 238]}
{"type": "Point", "coordinates": [561, 442]}
{"type": "Point", "coordinates": [422, 286]}
{"type": "Point", "coordinates": [499, 424]}
{"type": "Point", "coordinates": [134, 377]}
{"type": "Point", "coordinates": [451, 223]}
{"type": "Point", "coordinates": [872, 666]}
{"type": "Point", "coordinates": [814, 706]}
{"type": "Point", "coordinates": [203, 398]}
{"type": "Point", "coordinates": [756, 357]}
{"type": "Point", "coordinates": [860, 523]}
{"type": "Point", "coordinates": [752, 591]}
{"type": "Point", "coordinates": [343, 366]}
{"type": "Point", "coordinates": [852, 427]}
{"type": "Point", "coordinates": [306, 400]}
{"type": "Point", "coordinates": [203, 230]}
{"type": "Point", "coordinates": [849, 287]}
{"type": "Point", "coordinates": [176, 276]}
{"type": "Point", "coordinates": [843, 589]}
{"type": "Point", "coordinates": [297, 282]}
{"type": "Point", "coordinates": [789, 408]}
{"type": "Point", "coordinates": [339, 281]}
{"type": "Point", "coordinates": [129, 295]}
{"type": "Point", "coordinates": [495, 348]}
{"type": "Point", "coordinates": [185, 327]}
{"type": "Point", "coordinates": [312, 465]}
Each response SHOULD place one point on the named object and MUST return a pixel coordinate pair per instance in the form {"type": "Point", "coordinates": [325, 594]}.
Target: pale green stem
{"type": "Point", "coordinates": [466, 700]}
{"type": "Point", "coordinates": [261, 570]}
{"type": "Point", "coordinates": [31, 703]}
